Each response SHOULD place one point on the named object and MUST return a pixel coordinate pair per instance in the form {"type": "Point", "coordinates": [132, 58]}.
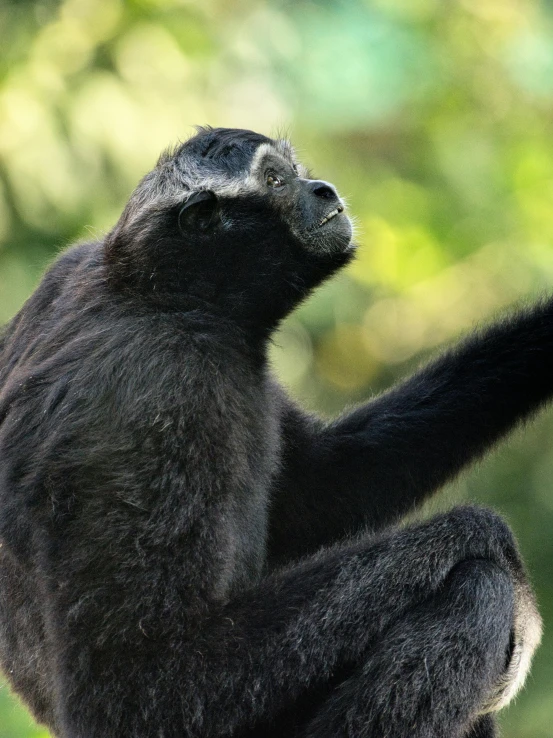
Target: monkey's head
{"type": "Point", "coordinates": [230, 221]}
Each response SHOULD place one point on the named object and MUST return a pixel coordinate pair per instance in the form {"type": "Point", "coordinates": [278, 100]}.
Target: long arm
{"type": "Point", "coordinates": [376, 463]}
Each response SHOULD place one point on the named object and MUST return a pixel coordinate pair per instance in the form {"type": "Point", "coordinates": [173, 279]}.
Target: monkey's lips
{"type": "Point", "coordinates": [339, 209]}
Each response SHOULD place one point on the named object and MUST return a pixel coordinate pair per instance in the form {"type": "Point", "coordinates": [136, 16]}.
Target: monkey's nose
{"type": "Point", "coordinates": [323, 189]}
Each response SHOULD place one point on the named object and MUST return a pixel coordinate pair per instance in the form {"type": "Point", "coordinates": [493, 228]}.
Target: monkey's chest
{"type": "Point", "coordinates": [240, 543]}
{"type": "Point", "coordinates": [234, 495]}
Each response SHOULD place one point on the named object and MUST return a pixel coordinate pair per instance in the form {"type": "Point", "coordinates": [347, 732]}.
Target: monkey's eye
{"type": "Point", "coordinates": [273, 180]}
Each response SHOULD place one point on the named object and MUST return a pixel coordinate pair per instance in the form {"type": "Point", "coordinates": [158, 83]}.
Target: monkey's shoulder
{"type": "Point", "coordinates": [109, 376]}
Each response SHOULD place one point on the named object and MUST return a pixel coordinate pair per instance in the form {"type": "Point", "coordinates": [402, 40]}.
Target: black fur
{"type": "Point", "coordinates": [182, 549]}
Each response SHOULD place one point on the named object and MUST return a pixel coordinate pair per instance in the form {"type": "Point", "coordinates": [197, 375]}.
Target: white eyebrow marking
{"type": "Point", "coordinates": [282, 149]}
{"type": "Point", "coordinates": [251, 182]}
{"type": "Point", "coordinates": [168, 187]}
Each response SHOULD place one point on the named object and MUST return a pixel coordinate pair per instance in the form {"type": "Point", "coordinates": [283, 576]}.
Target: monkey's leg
{"type": "Point", "coordinates": [433, 671]}
{"type": "Point", "coordinates": [243, 662]}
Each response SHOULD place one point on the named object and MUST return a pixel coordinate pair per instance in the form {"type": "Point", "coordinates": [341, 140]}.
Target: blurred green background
{"type": "Point", "coordinates": [434, 119]}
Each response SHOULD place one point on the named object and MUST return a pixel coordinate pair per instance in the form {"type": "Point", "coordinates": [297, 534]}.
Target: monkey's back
{"type": "Point", "coordinates": [103, 403]}
{"type": "Point", "coordinates": [24, 655]}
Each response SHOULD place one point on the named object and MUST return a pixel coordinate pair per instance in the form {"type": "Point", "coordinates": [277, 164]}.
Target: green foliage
{"type": "Point", "coordinates": [433, 118]}
{"type": "Point", "coordinates": [15, 722]}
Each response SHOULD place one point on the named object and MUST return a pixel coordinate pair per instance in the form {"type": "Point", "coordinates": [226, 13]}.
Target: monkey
{"type": "Point", "coordinates": [184, 551]}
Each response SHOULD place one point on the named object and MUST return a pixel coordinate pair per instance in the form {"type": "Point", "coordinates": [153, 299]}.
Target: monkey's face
{"type": "Point", "coordinates": [235, 176]}
{"type": "Point", "coordinates": [230, 217]}
{"type": "Point", "coordinates": [310, 208]}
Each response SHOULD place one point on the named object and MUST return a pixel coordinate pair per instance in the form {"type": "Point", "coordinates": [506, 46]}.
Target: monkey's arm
{"type": "Point", "coordinates": [376, 463]}
{"type": "Point", "coordinates": [232, 668]}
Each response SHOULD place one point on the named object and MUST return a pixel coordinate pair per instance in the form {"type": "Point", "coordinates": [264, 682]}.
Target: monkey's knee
{"type": "Point", "coordinates": [479, 597]}
{"type": "Point", "coordinates": [525, 636]}
{"type": "Point", "coordinates": [432, 671]}
{"type": "Point", "coordinates": [501, 607]}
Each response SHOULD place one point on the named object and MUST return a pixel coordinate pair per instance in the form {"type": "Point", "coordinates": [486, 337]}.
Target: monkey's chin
{"type": "Point", "coordinates": [339, 223]}
{"type": "Point", "coordinates": [332, 237]}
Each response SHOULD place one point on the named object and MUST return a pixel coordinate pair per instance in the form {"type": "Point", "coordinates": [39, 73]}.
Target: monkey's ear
{"type": "Point", "coordinates": [199, 211]}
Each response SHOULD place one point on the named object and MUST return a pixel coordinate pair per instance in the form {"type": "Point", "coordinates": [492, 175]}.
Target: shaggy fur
{"type": "Point", "coordinates": [183, 550]}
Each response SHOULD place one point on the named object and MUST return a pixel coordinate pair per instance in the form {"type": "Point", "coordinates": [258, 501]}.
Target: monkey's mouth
{"type": "Point", "coordinates": [336, 211]}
